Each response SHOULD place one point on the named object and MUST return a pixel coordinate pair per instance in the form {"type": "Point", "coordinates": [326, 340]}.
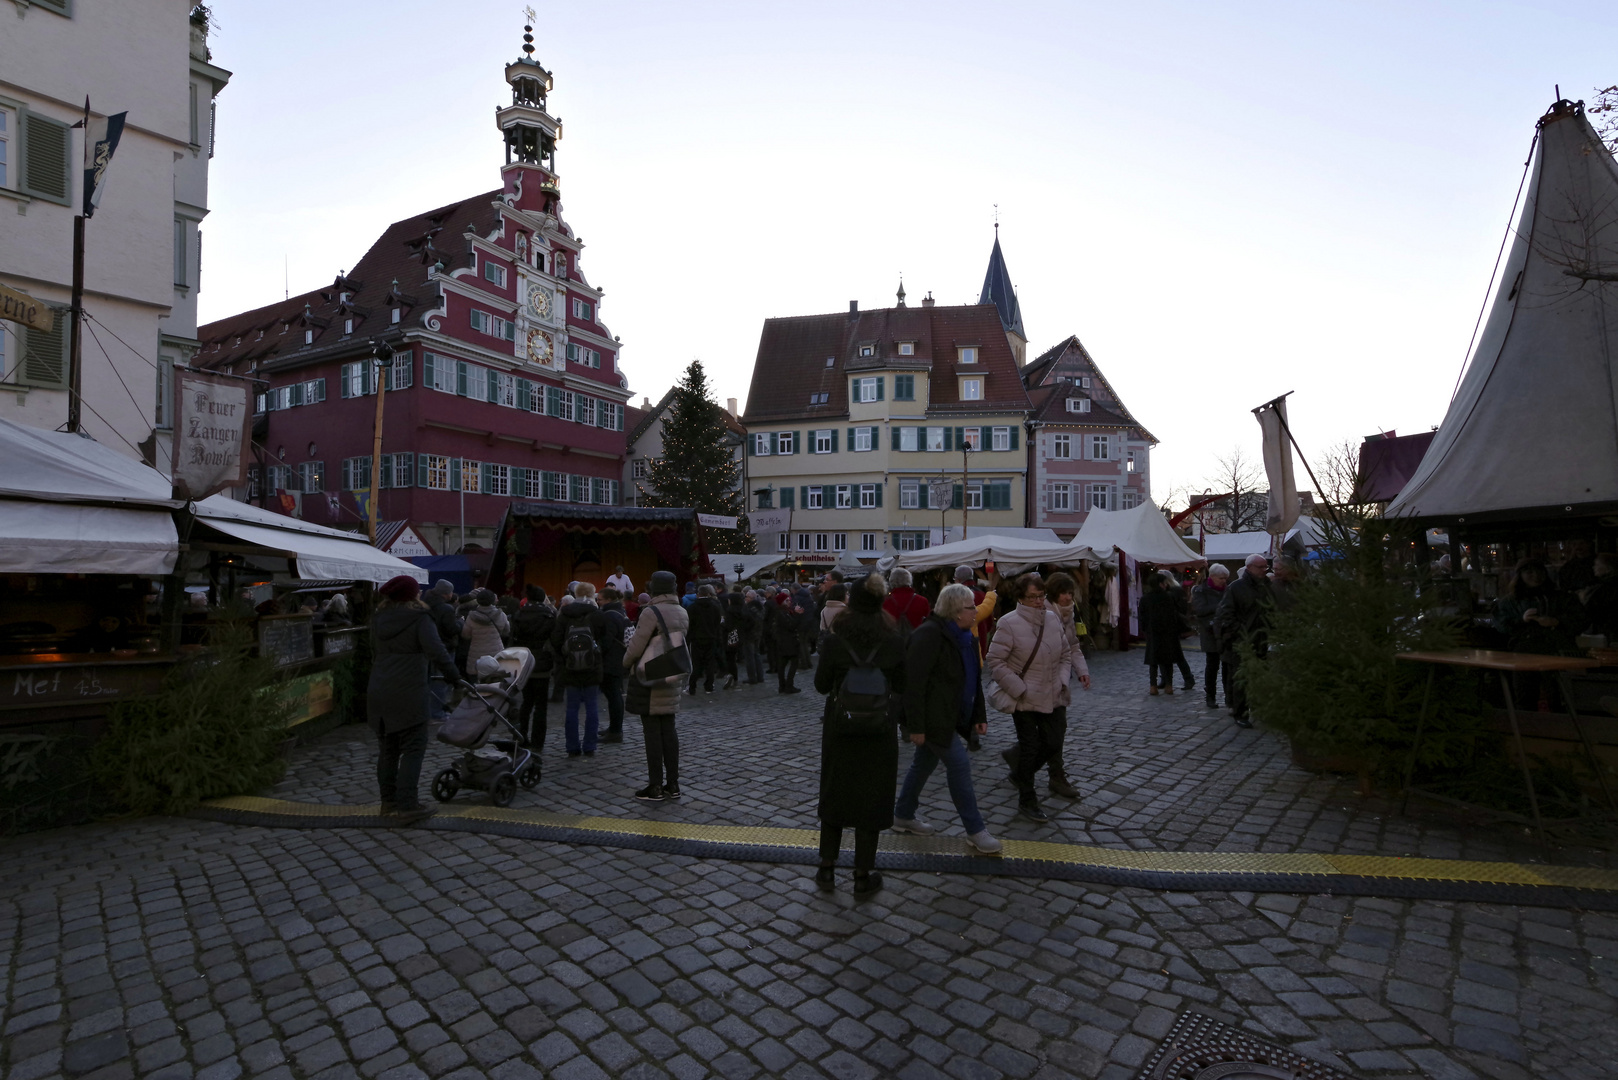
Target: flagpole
{"type": "Point", "coordinates": [75, 345]}
{"type": "Point", "coordinates": [382, 370]}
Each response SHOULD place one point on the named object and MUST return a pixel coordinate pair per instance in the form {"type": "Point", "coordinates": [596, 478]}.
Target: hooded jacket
{"type": "Point", "coordinates": [664, 700]}
{"type": "Point", "coordinates": [404, 645]}
{"type": "Point", "coordinates": [485, 629]}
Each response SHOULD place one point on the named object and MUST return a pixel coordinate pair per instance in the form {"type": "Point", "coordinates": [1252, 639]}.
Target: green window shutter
{"type": "Point", "coordinates": [524, 390]}
{"type": "Point", "coordinates": [921, 497]}
{"type": "Point", "coordinates": [384, 476]}
{"type": "Point", "coordinates": [960, 438]}
{"type": "Point", "coordinates": [880, 379]}
{"type": "Point", "coordinates": [421, 471]}
{"type": "Point", "coordinates": [342, 379]}
{"type": "Point", "coordinates": [949, 438]}
{"type": "Point", "coordinates": [850, 439]}
{"type": "Point", "coordinates": [895, 430]}
{"type": "Point", "coordinates": [834, 441]}
{"type": "Point", "coordinates": [460, 378]}
{"type": "Point", "coordinates": [1013, 444]}
{"type": "Point", "coordinates": [483, 477]}
{"type": "Point", "coordinates": [958, 498]}
{"type": "Point", "coordinates": [828, 496]}
{"type": "Point", "coordinates": [455, 474]}
{"type": "Point", "coordinates": [879, 488]}
{"type": "Point", "coordinates": [797, 443]}
{"type": "Point", "coordinates": [774, 441]}
{"type": "Point", "coordinates": [803, 496]}
{"type": "Point", "coordinates": [853, 390]}
{"type": "Point", "coordinates": [426, 369]}
{"type": "Point", "coordinates": [44, 356]}
{"type": "Point", "coordinates": [491, 387]}
{"type": "Point", "coordinates": [44, 166]}
{"type": "Point", "coordinates": [786, 498]}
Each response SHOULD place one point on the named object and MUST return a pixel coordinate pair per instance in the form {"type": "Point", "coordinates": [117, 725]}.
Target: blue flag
{"type": "Point", "coordinates": [100, 141]}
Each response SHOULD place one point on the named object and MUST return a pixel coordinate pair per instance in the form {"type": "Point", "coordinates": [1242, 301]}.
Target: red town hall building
{"type": "Point", "coordinates": [504, 381]}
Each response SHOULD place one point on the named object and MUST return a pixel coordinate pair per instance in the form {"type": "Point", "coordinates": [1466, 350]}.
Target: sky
{"type": "Point", "coordinates": [1224, 202]}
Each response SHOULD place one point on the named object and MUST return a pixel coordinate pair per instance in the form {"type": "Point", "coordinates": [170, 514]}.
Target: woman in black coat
{"type": "Point", "coordinates": [857, 773]}
{"type": "Point", "coordinates": [404, 643]}
{"type": "Point", "coordinates": [1161, 624]}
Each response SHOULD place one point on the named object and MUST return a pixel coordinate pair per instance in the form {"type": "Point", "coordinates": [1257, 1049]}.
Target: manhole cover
{"type": "Point", "coordinates": [1201, 1048]}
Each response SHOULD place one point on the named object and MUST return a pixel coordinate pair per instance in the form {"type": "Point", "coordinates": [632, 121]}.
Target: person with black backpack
{"type": "Point", "coordinates": [861, 671]}
{"type": "Point", "coordinates": [531, 629]}
{"type": "Point", "coordinates": [579, 639]}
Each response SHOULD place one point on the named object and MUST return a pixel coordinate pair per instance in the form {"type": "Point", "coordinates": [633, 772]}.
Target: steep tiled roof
{"type": "Point", "coordinates": [1050, 407]}
{"type": "Point", "coordinates": [791, 367]}
{"type": "Point", "coordinates": [1043, 370]}
{"type": "Point", "coordinates": [642, 419]}
{"type": "Point", "coordinates": [404, 253]}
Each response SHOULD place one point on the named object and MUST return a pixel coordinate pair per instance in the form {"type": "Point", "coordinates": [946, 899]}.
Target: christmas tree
{"type": "Point", "coordinates": [698, 466]}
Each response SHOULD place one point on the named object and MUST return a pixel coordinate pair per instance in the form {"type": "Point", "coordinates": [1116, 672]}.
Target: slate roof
{"type": "Point", "coordinates": [997, 290]}
{"type": "Point", "coordinates": [793, 352]}
{"type": "Point", "coordinates": [405, 252]}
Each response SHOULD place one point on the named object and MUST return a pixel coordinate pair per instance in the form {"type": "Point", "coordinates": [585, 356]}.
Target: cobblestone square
{"type": "Point", "coordinates": [169, 947]}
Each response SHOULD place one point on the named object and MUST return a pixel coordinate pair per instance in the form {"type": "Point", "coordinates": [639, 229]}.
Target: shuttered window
{"type": "Point", "coordinates": [44, 172]}
{"type": "Point", "coordinates": [44, 355]}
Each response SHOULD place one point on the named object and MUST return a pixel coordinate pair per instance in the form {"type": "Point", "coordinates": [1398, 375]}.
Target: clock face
{"type": "Point", "coordinates": [540, 301]}
{"type": "Point", "coordinates": [540, 347]}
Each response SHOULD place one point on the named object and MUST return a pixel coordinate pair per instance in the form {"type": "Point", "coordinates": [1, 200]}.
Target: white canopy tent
{"type": "Point", "coordinates": [752, 565]}
{"type": "Point", "coordinates": [1141, 533]}
{"type": "Point", "coordinates": [321, 553]}
{"type": "Point", "coordinates": [1225, 547]}
{"type": "Point", "coordinates": [69, 505]}
{"type": "Point", "coordinates": [1010, 554]}
{"type": "Point", "coordinates": [1533, 427]}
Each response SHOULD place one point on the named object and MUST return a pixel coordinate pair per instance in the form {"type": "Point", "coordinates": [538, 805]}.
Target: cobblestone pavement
{"type": "Point", "coordinates": [178, 947]}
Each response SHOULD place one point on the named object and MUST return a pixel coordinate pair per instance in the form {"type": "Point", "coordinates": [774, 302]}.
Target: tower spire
{"type": "Point", "coordinates": [998, 290]}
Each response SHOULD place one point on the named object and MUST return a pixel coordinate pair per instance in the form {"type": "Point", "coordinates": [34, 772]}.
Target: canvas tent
{"type": "Point", "coordinates": [321, 553]}
{"type": "Point", "coordinates": [1141, 533]}
{"type": "Point", "coordinates": [1010, 554]}
{"type": "Point", "coordinates": [69, 505]}
{"type": "Point", "coordinates": [752, 565]}
{"type": "Point", "coordinates": [1532, 432]}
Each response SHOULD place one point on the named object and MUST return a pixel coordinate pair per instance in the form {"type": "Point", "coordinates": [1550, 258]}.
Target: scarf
{"type": "Point", "coordinates": [969, 656]}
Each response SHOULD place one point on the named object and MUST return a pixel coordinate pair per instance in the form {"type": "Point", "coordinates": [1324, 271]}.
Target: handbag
{"type": "Point", "coordinates": [672, 663]}
{"type": "Point", "coordinates": [1001, 698]}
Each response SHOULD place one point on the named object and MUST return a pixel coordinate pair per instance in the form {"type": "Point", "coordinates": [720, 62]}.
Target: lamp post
{"type": "Point", "coordinates": [738, 568]}
{"type": "Point", "coordinates": [382, 357]}
{"type": "Point", "coordinates": [966, 476]}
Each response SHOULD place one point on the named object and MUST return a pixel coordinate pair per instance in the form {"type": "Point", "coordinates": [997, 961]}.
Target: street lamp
{"type": "Point", "coordinates": [966, 476]}
{"type": "Point", "coordinates": [738, 568]}
{"type": "Point", "coordinates": [382, 358]}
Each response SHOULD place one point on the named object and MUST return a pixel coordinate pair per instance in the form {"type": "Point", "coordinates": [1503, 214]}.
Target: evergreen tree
{"type": "Point", "coordinates": [698, 467]}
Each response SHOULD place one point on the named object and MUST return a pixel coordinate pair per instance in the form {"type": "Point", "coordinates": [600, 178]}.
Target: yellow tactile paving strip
{"type": "Point", "coordinates": [1221, 863]}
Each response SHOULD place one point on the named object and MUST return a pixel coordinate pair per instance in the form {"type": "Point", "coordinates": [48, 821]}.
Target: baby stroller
{"type": "Point", "coordinates": [495, 765]}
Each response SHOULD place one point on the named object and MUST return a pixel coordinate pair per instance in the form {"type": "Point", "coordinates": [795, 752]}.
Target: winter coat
{"type": "Point", "coordinates": [532, 630]}
{"type": "Point", "coordinates": [664, 700]}
{"type": "Point", "coordinates": [786, 630]}
{"type": "Point", "coordinates": [828, 613]}
{"type": "Point", "coordinates": [935, 679]}
{"type": "Point", "coordinates": [618, 624]}
{"type": "Point", "coordinates": [1527, 637]}
{"type": "Point", "coordinates": [1043, 686]}
{"type": "Point", "coordinates": [907, 604]}
{"type": "Point", "coordinates": [404, 644]}
{"type": "Point", "coordinates": [1244, 614]}
{"type": "Point", "coordinates": [858, 776]}
{"type": "Point", "coordinates": [1161, 624]}
{"type": "Point", "coordinates": [1204, 603]}
{"type": "Point", "coordinates": [1070, 631]}
{"type": "Point", "coordinates": [485, 630]}
{"type": "Point", "coordinates": [579, 613]}
{"type": "Point", "coordinates": [444, 618]}
{"type": "Point", "coordinates": [753, 621]}
{"type": "Point", "coordinates": [707, 620]}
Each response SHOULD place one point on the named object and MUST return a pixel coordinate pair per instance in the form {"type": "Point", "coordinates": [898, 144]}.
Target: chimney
{"type": "Point", "coordinates": [730, 406]}
{"type": "Point", "coordinates": [645, 402]}
{"type": "Point", "coordinates": [853, 307]}
{"type": "Point", "coordinates": [927, 301]}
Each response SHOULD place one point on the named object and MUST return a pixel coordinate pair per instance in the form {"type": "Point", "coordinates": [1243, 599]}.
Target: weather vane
{"type": "Point", "coordinates": [996, 217]}
{"type": "Point", "coordinates": [528, 12]}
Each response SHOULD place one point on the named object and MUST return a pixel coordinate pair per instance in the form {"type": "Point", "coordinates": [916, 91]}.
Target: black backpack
{"type": "Point", "coordinates": [861, 709]}
{"type": "Point", "coordinates": [580, 652]}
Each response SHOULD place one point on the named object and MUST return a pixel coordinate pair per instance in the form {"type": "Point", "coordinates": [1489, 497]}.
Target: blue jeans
{"type": "Point", "coordinates": [585, 695]}
{"type": "Point", "coordinates": [958, 771]}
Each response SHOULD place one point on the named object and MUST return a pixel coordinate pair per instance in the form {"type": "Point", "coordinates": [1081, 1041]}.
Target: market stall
{"type": "Point", "coordinates": [551, 544]}
{"type": "Point", "coordinates": [1144, 542]}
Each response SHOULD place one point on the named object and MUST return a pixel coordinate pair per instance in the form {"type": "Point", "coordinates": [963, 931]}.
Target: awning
{"type": "Point", "coordinates": [1010, 554]}
{"type": "Point", "coordinates": [321, 553]}
{"type": "Point", "coordinates": [752, 565]}
{"type": "Point", "coordinates": [63, 538]}
{"type": "Point", "coordinates": [1142, 533]}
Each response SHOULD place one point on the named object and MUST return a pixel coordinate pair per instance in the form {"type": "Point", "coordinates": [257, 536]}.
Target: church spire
{"type": "Point", "coordinates": [997, 290]}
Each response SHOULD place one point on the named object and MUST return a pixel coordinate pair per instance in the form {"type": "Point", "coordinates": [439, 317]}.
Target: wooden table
{"type": "Point", "coordinates": [1506, 664]}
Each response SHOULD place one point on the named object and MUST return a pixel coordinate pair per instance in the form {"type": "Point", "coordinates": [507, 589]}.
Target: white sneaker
{"type": "Point", "coordinates": [984, 844]}
{"type": "Point", "coordinates": [914, 826]}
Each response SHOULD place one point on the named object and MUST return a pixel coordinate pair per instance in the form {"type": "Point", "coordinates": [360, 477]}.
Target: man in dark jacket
{"type": "Point", "coordinates": [752, 633]}
{"type": "Point", "coordinates": [1244, 615]}
{"type": "Point", "coordinates": [612, 662]}
{"type": "Point", "coordinates": [1205, 600]}
{"type": "Point", "coordinates": [440, 601]}
{"type": "Point", "coordinates": [531, 629]}
{"type": "Point", "coordinates": [707, 637]}
{"type": "Point", "coordinates": [405, 645]}
{"type": "Point", "coordinates": [580, 641]}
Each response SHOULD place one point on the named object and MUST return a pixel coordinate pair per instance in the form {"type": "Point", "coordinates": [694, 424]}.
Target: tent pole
{"type": "Point", "coordinates": [1290, 438]}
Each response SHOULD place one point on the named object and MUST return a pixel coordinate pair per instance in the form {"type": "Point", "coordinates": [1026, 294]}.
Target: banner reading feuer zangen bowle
{"type": "Point", "coordinates": [212, 432]}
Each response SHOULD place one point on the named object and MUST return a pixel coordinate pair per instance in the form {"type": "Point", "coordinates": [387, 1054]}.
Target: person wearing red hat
{"type": "Point", "coordinates": [404, 645]}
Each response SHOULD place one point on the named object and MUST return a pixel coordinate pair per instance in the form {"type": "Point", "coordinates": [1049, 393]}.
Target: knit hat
{"type": "Point", "coordinates": [400, 590]}
{"type": "Point", "coordinates": [866, 596]}
{"type": "Point", "coordinates": [662, 582]}
{"type": "Point", "coordinates": [445, 586]}
{"type": "Point", "coordinates": [485, 597]}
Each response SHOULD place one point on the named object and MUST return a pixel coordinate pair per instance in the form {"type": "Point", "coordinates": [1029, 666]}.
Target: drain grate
{"type": "Point", "coordinates": [1201, 1048]}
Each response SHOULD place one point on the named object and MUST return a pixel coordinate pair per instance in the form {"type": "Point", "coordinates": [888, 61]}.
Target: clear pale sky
{"type": "Point", "coordinates": [1224, 202]}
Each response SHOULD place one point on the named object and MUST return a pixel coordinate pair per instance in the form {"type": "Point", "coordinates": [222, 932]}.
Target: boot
{"type": "Point", "coordinates": [1011, 756]}
{"type": "Point", "coordinates": [1060, 784]}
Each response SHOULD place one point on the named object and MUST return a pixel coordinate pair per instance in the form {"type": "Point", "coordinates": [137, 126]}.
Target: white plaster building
{"type": "Point", "coordinates": [148, 58]}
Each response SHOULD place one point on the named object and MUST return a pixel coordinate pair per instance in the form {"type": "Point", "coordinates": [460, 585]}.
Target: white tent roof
{"type": "Point", "coordinates": [751, 564]}
{"type": "Point", "coordinates": [1010, 554]}
{"type": "Point", "coordinates": [1239, 545]}
{"type": "Point", "coordinates": [1534, 424]}
{"type": "Point", "coordinates": [69, 505]}
{"type": "Point", "coordinates": [1142, 533]}
{"type": "Point", "coordinates": [322, 553]}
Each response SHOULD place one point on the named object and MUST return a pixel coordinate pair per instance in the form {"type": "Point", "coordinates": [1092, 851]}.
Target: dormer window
{"type": "Point", "coordinates": [967, 354]}
{"type": "Point", "coordinates": [831, 361]}
{"type": "Point", "coordinates": [395, 318]}
{"type": "Point", "coordinates": [342, 298]}
{"type": "Point", "coordinates": [971, 389]}
{"type": "Point", "coordinates": [308, 337]}
{"type": "Point", "coordinates": [867, 350]}
{"type": "Point", "coordinates": [1078, 404]}
{"type": "Point", "coordinates": [348, 326]}
{"type": "Point", "coordinates": [907, 348]}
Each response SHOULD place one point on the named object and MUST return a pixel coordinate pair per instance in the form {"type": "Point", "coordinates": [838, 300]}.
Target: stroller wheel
{"type": "Point", "coordinates": [445, 785]}
{"type": "Point", "coordinates": [503, 790]}
{"type": "Point", "coordinates": [529, 777]}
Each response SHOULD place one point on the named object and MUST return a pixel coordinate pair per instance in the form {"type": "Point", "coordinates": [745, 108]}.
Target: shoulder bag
{"type": "Point", "coordinates": [1001, 698]}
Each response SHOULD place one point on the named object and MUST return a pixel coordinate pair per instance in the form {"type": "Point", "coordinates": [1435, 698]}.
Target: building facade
{"type": "Point", "coordinates": [143, 246]}
{"type": "Point", "coordinates": [1085, 450]}
{"type": "Point", "coordinates": [645, 445]}
{"type": "Point", "coordinates": [504, 382]}
{"type": "Point", "coordinates": [871, 431]}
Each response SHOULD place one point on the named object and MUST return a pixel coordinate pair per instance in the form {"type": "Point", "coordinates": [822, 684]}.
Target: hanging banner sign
{"type": "Point", "coordinates": [716, 521]}
{"type": "Point", "coordinates": [212, 432]}
{"type": "Point", "coordinates": [940, 493]}
{"type": "Point", "coordinates": [21, 308]}
{"type": "Point", "coordinates": [770, 521]}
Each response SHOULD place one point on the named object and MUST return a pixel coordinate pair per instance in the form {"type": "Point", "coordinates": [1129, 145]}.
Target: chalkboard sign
{"type": "Point", "coordinates": [337, 642]}
{"type": "Point", "coordinates": [288, 639]}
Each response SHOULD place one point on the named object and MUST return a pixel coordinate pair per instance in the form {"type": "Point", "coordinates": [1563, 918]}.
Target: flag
{"type": "Point", "coordinates": [362, 499]}
{"type": "Point", "coordinates": [1284, 507]}
{"type": "Point", "coordinates": [100, 142]}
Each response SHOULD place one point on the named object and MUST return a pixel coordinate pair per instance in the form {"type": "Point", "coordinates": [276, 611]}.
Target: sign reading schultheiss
{"type": "Point", "coordinates": [213, 424]}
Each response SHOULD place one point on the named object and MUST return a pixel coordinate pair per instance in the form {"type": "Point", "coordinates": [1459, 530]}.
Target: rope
{"type": "Point", "coordinates": [1510, 228]}
{"type": "Point", "coordinates": [116, 373]}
